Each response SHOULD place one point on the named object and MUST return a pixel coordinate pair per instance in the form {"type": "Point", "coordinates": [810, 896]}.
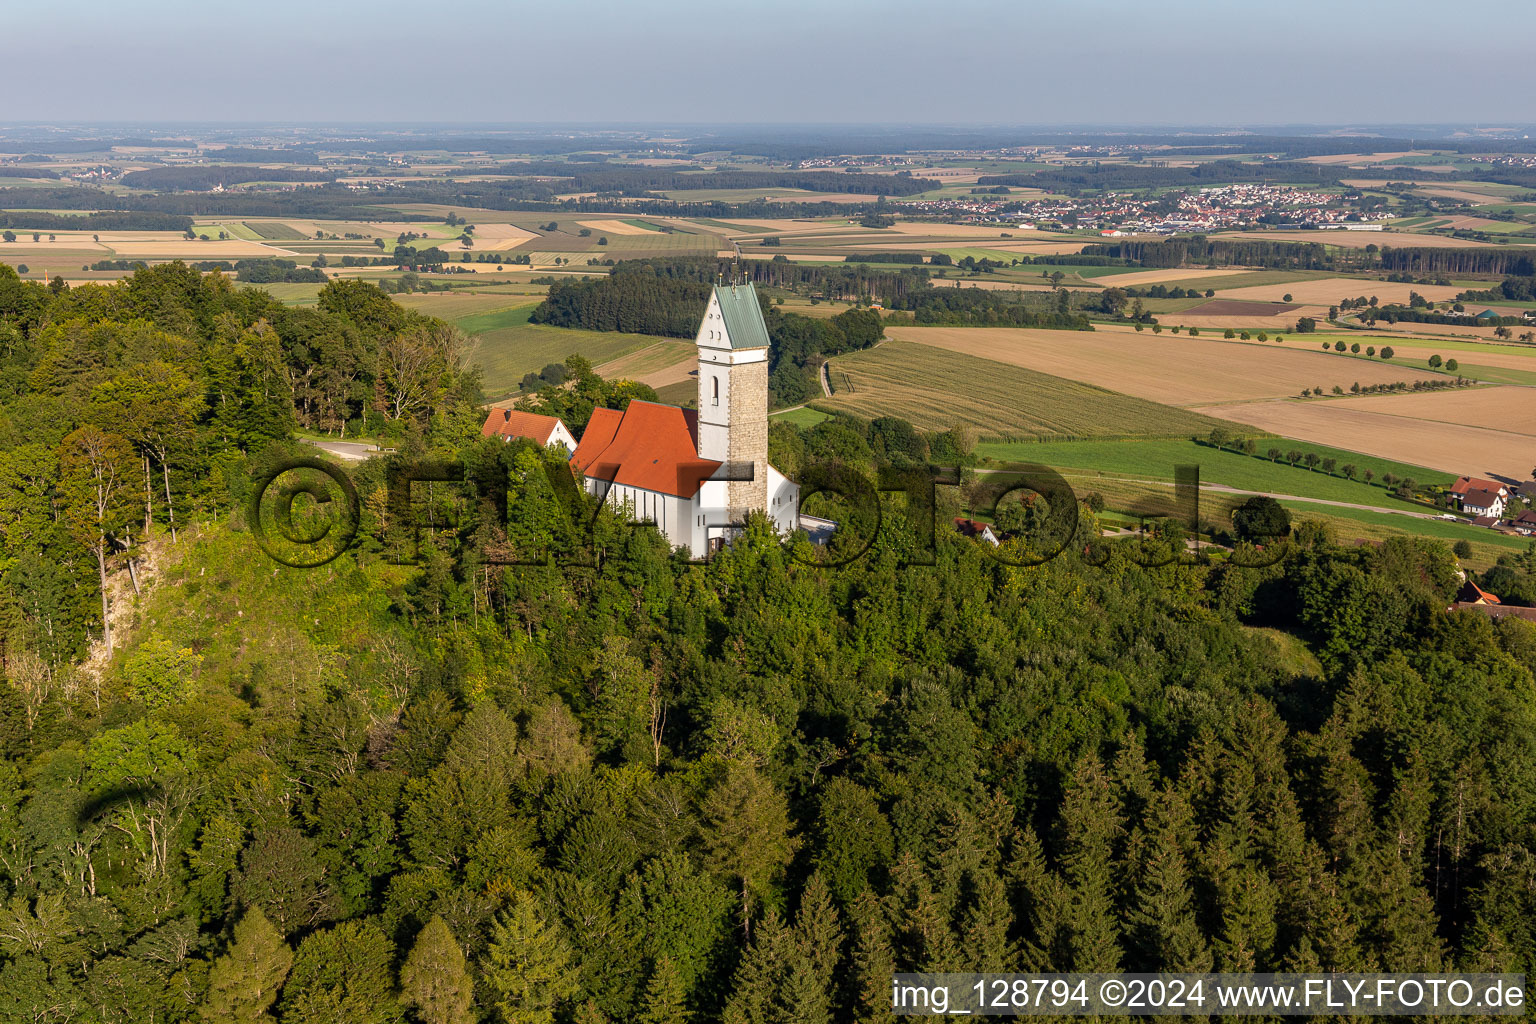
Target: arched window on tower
{"type": "Point", "coordinates": [716, 382]}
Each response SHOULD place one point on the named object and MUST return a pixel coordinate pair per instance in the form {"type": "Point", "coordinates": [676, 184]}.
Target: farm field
{"type": "Point", "coordinates": [612, 227]}
{"type": "Point", "coordinates": [1228, 307]}
{"type": "Point", "coordinates": [1136, 276]}
{"type": "Point", "coordinates": [457, 305]}
{"type": "Point", "coordinates": [1136, 475]}
{"type": "Point", "coordinates": [1329, 290]}
{"type": "Point", "coordinates": [505, 354]}
{"type": "Point", "coordinates": [1356, 239]}
{"type": "Point", "coordinates": [936, 389]}
{"type": "Point", "coordinates": [1442, 430]}
{"type": "Point", "coordinates": [666, 362]}
{"type": "Point", "coordinates": [1164, 368]}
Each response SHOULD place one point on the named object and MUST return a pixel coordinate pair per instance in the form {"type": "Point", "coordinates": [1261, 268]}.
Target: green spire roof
{"type": "Point", "coordinates": [743, 316]}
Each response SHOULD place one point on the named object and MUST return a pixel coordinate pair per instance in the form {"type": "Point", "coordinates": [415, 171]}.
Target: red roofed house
{"type": "Point", "coordinates": [696, 474]}
{"type": "Point", "coordinates": [976, 530]}
{"type": "Point", "coordinates": [1466, 484]}
{"type": "Point", "coordinates": [546, 430]}
{"type": "Point", "coordinates": [1471, 593]}
{"type": "Point", "coordinates": [1525, 523]}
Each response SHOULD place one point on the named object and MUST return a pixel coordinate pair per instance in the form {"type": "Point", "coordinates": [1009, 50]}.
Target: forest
{"type": "Point", "coordinates": [204, 179]}
{"type": "Point", "coordinates": [668, 297]}
{"type": "Point", "coordinates": [422, 783]}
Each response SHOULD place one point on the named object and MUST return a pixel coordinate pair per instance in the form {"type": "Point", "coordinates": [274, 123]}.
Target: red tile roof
{"type": "Point", "coordinates": [1471, 593]}
{"type": "Point", "coordinates": [516, 423]}
{"type": "Point", "coordinates": [1466, 484]}
{"type": "Point", "coordinates": [649, 446]}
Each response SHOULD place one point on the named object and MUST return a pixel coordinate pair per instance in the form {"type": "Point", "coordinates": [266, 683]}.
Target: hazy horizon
{"type": "Point", "coordinates": [1092, 63]}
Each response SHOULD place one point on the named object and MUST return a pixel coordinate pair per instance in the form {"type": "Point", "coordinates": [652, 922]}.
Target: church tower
{"type": "Point", "coordinates": [733, 392]}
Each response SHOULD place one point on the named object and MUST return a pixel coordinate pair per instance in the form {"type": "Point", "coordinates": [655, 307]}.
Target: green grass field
{"type": "Point", "coordinates": [935, 389]}
{"type": "Point", "coordinates": [1136, 475]}
{"type": "Point", "coordinates": [505, 354]}
{"type": "Point", "coordinates": [1155, 459]}
{"type": "Point", "coordinates": [804, 417]}
{"type": "Point", "coordinates": [1347, 522]}
{"type": "Point", "coordinates": [274, 231]}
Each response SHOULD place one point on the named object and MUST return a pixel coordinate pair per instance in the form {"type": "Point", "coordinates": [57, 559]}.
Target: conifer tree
{"type": "Point", "coordinates": [527, 965]}
{"type": "Point", "coordinates": [756, 988]}
{"type": "Point", "coordinates": [873, 961]}
{"type": "Point", "coordinates": [1162, 914]}
{"type": "Point", "coordinates": [665, 1001]}
{"type": "Point", "coordinates": [245, 981]}
{"type": "Point", "coordinates": [434, 980]}
{"type": "Point", "coordinates": [811, 976]}
{"type": "Point", "coordinates": [1090, 820]}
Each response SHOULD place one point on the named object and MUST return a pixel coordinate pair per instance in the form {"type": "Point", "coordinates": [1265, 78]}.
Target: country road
{"type": "Point", "coordinates": [352, 451]}
{"type": "Point", "coordinates": [826, 381]}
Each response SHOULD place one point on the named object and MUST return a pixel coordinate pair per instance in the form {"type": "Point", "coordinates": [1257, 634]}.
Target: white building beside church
{"type": "Point", "coordinates": [694, 473]}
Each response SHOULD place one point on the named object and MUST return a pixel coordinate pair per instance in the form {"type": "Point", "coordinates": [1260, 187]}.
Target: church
{"type": "Point", "coordinates": [694, 473]}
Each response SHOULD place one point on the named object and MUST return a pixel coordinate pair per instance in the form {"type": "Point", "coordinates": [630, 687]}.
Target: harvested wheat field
{"type": "Point", "coordinates": [607, 227]}
{"type": "Point", "coordinates": [1225, 306]}
{"type": "Point", "coordinates": [502, 236]}
{"type": "Point", "coordinates": [1462, 194]}
{"type": "Point", "coordinates": [1439, 430]}
{"type": "Point", "coordinates": [1357, 239]}
{"type": "Point", "coordinates": [1329, 290]}
{"type": "Point", "coordinates": [197, 249]}
{"type": "Point", "coordinates": [1272, 322]}
{"type": "Point", "coordinates": [1430, 331]}
{"type": "Point", "coordinates": [1141, 277]}
{"type": "Point", "coordinates": [1172, 370]}
{"type": "Point", "coordinates": [1359, 158]}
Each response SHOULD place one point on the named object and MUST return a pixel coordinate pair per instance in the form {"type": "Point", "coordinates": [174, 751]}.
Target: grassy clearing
{"type": "Point", "coordinates": [804, 417]}
{"type": "Point", "coordinates": [292, 294]}
{"type": "Point", "coordinates": [936, 389]}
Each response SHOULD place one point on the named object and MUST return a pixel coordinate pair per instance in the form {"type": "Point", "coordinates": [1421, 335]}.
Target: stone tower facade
{"type": "Point", "coordinates": [733, 393]}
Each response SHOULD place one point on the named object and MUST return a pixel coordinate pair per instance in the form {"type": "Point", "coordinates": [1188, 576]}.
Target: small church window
{"type": "Point", "coordinates": [716, 382]}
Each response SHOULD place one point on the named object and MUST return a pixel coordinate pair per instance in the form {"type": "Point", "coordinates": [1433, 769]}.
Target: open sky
{"type": "Point", "coordinates": [836, 61]}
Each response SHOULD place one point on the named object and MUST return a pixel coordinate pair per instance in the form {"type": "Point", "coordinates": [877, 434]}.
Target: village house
{"type": "Point", "coordinates": [976, 530]}
{"type": "Point", "coordinates": [545, 430]}
{"type": "Point", "coordinates": [1479, 497]}
{"type": "Point", "coordinates": [1482, 503]}
{"type": "Point", "coordinates": [1525, 523]}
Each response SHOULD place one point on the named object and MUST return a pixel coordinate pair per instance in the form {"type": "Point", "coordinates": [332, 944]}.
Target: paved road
{"type": "Point", "coordinates": [352, 451]}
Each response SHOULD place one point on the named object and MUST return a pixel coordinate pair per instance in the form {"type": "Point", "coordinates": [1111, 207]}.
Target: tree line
{"type": "Point", "coordinates": [206, 178]}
